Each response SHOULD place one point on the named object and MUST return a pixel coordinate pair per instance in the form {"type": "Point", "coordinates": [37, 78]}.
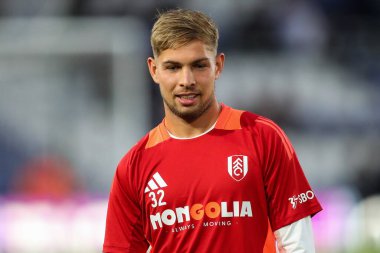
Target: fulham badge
{"type": "Point", "coordinates": [237, 166]}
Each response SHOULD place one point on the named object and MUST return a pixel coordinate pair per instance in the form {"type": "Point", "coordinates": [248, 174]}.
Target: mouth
{"type": "Point", "coordinates": [187, 96]}
{"type": "Point", "coordinates": [187, 99]}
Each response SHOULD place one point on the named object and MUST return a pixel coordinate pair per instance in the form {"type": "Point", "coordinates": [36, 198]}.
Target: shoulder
{"type": "Point", "coordinates": [270, 132]}
{"type": "Point", "coordinates": [133, 152]}
{"type": "Point", "coordinates": [260, 123]}
{"type": "Point", "coordinates": [155, 136]}
{"type": "Point", "coordinates": [266, 129]}
{"type": "Point", "coordinates": [233, 119]}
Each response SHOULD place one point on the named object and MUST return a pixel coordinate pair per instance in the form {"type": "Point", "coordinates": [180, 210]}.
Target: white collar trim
{"type": "Point", "coordinates": [189, 138]}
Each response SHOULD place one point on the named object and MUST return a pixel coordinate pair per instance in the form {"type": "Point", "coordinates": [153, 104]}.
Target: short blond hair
{"type": "Point", "coordinates": [176, 28]}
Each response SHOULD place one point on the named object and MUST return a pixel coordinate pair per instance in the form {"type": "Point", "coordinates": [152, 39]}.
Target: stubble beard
{"type": "Point", "coordinates": [190, 115]}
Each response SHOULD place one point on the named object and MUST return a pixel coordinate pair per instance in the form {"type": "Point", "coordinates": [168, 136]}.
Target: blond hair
{"type": "Point", "coordinates": [176, 28]}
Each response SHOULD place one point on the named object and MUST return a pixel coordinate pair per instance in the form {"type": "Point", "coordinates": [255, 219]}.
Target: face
{"type": "Point", "coordinates": [186, 77]}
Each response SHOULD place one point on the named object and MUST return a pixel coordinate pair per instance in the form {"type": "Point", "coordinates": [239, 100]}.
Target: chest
{"type": "Point", "coordinates": [212, 169]}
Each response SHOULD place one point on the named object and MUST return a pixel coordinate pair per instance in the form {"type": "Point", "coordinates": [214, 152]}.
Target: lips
{"type": "Point", "coordinates": [187, 96]}
{"type": "Point", "coordinates": [187, 99]}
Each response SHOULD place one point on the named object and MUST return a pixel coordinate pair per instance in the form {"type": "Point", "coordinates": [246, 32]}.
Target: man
{"type": "Point", "coordinates": [209, 178]}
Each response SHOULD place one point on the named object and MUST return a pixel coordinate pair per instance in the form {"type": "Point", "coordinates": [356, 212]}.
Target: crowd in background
{"type": "Point", "coordinates": [344, 33]}
{"type": "Point", "coordinates": [311, 66]}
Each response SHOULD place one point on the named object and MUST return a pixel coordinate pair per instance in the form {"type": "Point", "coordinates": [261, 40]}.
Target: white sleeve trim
{"type": "Point", "coordinates": [296, 238]}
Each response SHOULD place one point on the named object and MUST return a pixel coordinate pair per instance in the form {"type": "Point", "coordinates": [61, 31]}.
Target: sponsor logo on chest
{"type": "Point", "coordinates": [212, 210]}
{"type": "Point", "coordinates": [208, 213]}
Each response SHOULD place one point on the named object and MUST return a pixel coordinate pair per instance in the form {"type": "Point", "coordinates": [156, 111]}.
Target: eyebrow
{"type": "Point", "coordinates": [175, 62]}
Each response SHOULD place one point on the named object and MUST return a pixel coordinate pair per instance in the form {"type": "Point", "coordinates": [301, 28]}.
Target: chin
{"type": "Point", "coordinates": [190, 114]}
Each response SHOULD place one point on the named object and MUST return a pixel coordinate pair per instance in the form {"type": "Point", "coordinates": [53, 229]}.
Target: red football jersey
{"type": "Point", "coordinates": [224, 191]}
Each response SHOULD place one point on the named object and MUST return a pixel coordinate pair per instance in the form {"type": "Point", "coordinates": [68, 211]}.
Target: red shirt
{"type": "Point", "coordinates": [224, 191]}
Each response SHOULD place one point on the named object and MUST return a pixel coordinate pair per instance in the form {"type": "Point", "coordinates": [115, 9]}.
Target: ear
{"type": "Point", "coordinates": [152, 69]}
{"type": "Point", "coordinates": [219, 62]}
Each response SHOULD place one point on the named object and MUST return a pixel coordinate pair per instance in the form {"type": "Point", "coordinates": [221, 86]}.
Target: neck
{"type": "Point", "coordinates": [183, 129]}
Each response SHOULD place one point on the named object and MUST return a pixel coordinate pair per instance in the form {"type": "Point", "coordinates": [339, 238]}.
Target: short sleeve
{"type": "Point", "coordinates": [124, 225]}
{"type": "Point", "coordinates": [289, 195]}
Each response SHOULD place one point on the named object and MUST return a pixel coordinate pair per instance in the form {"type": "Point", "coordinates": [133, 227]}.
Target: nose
{"type": "Point", "coordinates": [187, 77]}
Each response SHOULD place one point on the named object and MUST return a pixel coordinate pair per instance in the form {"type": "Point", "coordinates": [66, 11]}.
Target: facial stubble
{"type": "Point", "coordinates": [190, 116]}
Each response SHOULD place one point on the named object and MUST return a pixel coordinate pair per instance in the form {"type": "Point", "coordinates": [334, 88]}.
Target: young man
{"type": "Point", "coordinates": [209, 178]}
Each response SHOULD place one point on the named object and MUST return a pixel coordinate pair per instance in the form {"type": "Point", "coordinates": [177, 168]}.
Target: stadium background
{"type": "Point", "coordinates": [75, 95]}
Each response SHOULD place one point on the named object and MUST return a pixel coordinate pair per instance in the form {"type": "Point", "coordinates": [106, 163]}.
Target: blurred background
{"type": "Point", "coordinates": [75, 95]}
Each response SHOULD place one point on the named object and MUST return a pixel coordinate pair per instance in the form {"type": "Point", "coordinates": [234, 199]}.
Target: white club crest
{"type": "Point", "coordinates": [237, 166]}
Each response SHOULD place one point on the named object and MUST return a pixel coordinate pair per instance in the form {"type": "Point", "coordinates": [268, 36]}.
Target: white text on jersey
{"type": "Point", "coordinates": [198, 211]}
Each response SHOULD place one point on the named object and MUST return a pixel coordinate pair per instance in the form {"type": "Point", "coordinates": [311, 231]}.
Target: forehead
{"type": "Point", "coordinates": [190, 52]}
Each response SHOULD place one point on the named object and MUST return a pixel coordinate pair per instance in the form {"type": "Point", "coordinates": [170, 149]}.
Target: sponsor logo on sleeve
{"type": "Point", "coordinates": [301, 198]}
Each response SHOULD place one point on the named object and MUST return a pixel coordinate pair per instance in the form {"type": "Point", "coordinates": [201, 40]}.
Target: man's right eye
{"type": "Point", "coordinates": [172, 67]}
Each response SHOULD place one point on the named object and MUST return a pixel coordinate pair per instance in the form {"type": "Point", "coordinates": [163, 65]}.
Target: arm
{"type": "Point", "coordinates": [296, 237]}
{"type": "Point", "coordinates": [289, 195]}
{"type": "Point", "coordinates": [124, 225]}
